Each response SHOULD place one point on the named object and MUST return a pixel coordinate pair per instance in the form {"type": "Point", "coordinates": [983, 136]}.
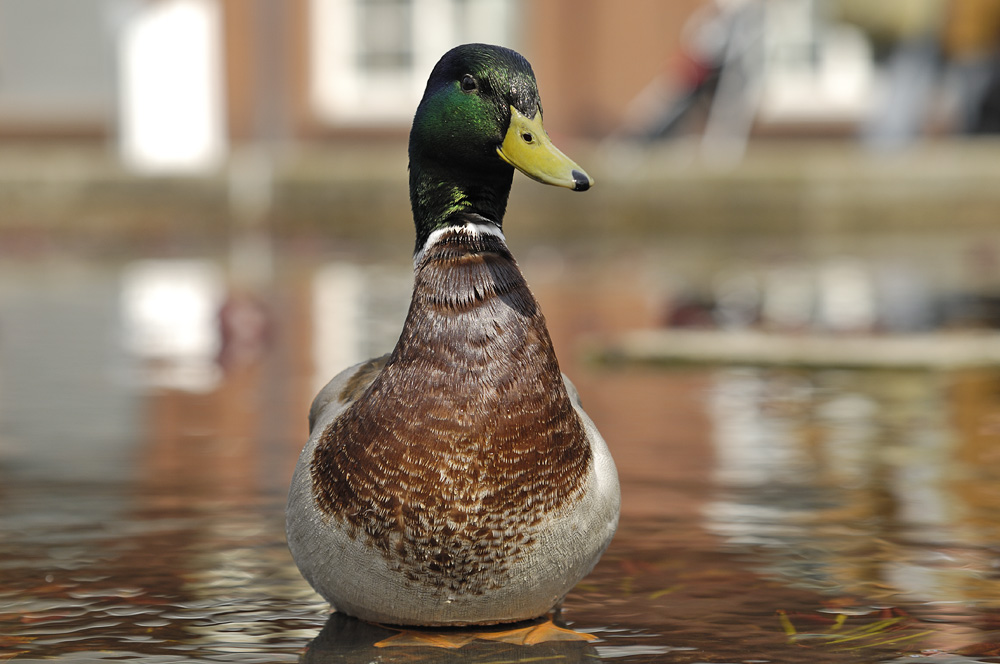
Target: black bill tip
{"type": "Point", "coordinates": [581, 181]}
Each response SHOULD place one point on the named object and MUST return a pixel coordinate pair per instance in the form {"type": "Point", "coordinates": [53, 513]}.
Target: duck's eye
{"type": "Point", "coordinates": [469, 83]}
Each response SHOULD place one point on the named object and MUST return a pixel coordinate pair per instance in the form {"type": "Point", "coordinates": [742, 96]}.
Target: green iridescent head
{"type": "Point", "coordinates": [480, 117]}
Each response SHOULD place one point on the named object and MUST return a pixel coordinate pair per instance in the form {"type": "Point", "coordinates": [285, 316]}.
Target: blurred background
{"type": "Point", "coordinates": [229, 73]}
{"type": "Point", "coordinates": [850, 144]}
{"type": "Point", "coordinates": [204, 216]}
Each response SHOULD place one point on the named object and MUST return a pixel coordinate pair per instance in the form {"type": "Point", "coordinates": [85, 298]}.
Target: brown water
{"type": "Point", "coordinates": [767, 516]}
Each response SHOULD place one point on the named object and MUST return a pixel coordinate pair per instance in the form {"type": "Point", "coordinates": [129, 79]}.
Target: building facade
{"type": "Point", "coordinates": [295, 70]}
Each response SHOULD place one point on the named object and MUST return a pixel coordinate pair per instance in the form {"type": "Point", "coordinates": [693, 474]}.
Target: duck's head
{"type": "Point", "coordinates": [480, 117]}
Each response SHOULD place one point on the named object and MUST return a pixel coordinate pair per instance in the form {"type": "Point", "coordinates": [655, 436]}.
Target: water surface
{"type": "Point", "coordinates": [146, 445]}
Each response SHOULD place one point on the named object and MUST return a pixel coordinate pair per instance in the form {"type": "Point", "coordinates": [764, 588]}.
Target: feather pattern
{"type": "Point", "coordinates": [451, 458]}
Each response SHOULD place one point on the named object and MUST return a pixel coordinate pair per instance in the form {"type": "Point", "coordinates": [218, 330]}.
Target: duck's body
{"type": "Point", "coordinates": [456, 480]}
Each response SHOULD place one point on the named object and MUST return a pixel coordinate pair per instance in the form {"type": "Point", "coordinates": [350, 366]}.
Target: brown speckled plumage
{"type": "Point", "coordinates": [449, 461]}
{"type": "Point", "coordinates": [360, 380]}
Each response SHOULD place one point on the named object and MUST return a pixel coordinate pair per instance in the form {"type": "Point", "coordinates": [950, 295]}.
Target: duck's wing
{"type": "Point", "coordinates": [574, 394]}
{"type": "Point", "coordinates": [604, 466]}
{"type": "Point", "coordinates": [343, 389]}
{"type": "Point", "coordinates": [597, 444]}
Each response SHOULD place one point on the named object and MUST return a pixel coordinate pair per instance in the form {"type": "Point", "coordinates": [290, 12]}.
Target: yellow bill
{"type": "Point", "coordinates": [528, 148]}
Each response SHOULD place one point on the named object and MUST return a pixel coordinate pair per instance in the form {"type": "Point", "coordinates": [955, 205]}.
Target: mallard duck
{"type": "Point", "coordinates": [457, 480]}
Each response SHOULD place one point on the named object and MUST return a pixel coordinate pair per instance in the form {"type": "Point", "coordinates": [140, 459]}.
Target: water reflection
{"type": "Point", "coordinates": [357, 313]}
{"type": "Point", "coordinates": [872, 486]}
{"type": "Point", "coordinates": [65, 411]}
{"type": "Point", "coordinates": [110, 574]}
{"type": "Point", "coordinates": [170, 321]}
{"type": "Point", "coordinates": [778, 516]}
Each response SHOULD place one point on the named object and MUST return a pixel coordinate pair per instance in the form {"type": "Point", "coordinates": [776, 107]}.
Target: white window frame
{"type": "Point", "coordinates": [343, 94]}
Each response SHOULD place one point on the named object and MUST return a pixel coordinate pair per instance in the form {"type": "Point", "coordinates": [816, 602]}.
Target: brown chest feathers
{"type": "Point", "coordinates": [451, 459]}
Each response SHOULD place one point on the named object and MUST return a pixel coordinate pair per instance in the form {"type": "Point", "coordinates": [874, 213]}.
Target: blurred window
{"type": "Point", "coordinates": [57, 63]}
{"type": "Point", "coordinates": [369, 59]}
{"type": "Point", "coordinates": [385, 29]}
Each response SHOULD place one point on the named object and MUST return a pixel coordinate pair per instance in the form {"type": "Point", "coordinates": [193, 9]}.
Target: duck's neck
{"type": "Point", "coordinates": [475, 326]}
{"type": "Point", "coordinates": [465, 269]}
{"type": "Point", "coordinates": [440, 195]}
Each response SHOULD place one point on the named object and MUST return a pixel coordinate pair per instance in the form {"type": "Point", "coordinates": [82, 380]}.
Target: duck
{"type": "Point", "coordinates": [457, 479]}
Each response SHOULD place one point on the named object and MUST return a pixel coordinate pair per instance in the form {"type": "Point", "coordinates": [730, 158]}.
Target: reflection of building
{"type": "Point", "coordinates": [857, 484]}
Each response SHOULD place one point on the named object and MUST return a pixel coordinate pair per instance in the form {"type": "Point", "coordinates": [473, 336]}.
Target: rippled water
{"type": "Point", "coordinates": [768, 516]}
